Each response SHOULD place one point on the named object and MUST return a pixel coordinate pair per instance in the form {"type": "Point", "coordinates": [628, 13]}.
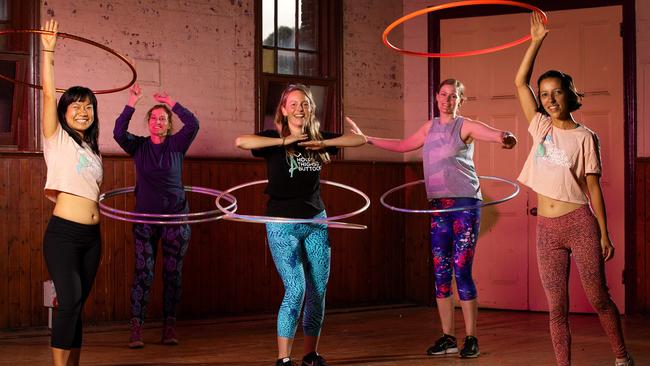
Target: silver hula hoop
{"type": "Point", "coordinates": [331, 221]}
{"type": "Point", "coordinates": [482, 204]}
{"type": "Point", "coordinates": [181, 217]}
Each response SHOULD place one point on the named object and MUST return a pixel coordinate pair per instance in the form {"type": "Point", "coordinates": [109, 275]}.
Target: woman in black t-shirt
{"type": "Point", "coordinates": [295, 153]}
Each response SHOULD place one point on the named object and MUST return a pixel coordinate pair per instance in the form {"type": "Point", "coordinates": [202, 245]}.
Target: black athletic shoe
{"type": "Point", "coordinates": [284, 362]}
{"type": "Point", "coordinates": [470, 348]}
{"type": "Point", "coordinates": [313, 359]}
{"type": "Point", "coordinates": [444, 345]}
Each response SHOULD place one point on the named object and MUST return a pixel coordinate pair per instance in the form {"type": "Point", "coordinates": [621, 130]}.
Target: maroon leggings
{"type": "Point", "coordinates": [575, 233]}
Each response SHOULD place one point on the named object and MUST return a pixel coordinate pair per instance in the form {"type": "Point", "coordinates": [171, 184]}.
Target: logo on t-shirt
{"type": "Point", "coordinates": [550, 153]}
{"type": "Point", "coordinates": [302, 164]}
{"type": "Point", "coordinates": [87, 163]}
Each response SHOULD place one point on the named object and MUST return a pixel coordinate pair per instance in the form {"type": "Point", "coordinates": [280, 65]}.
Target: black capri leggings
{"type": "Point", "coordinates": [72, 253]}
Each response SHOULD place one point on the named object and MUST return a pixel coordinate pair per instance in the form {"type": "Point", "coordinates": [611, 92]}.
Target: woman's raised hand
{"type": "Point", "coordinates": [353, 126]}
{"type": "Point", "coordinates": [163, 97]}
{"type": "Point", "coordinates": [49, 40]}
{"type": "Point", "coordinates": [538, 30]}
{"type": "Point", "coordinates": [135, 93]}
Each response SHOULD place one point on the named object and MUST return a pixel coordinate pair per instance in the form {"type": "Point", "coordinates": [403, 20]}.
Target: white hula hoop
{"type": "Point", "coordinates": [181, 218]}
{"type": "Point", "coordinates": [463, 208]}
{"type": "Point", "coordinates": [331, 221]}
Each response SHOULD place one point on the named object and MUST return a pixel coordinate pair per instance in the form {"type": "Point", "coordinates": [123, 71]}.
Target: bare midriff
{"type": "Point", "coordinates": [75, 208]}
{"type": "Point", "coordinates": [549, 207]}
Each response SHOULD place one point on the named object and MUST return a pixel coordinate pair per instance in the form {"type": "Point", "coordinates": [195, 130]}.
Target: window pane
{"type": "Point", "coordinates": [8, 69]}
{"type": "Point", "coordinates": [308, 64]}
{"type": "Point", "coordinates": [14, 42]}
{"type": "Point", "coordinates": [3, 39]}
{"type": "Point", "coordinates": [286, 23]}
{"type": "Point", "coordinates": [307, 24]}
{"type": "Point", "coordinates": [286, 62]}
{"type": "Point", "coordinates": [272, 100]}
{"type": "Point", "coordinates": [4, 14]}
{"type": "Point", "coordinates": [268, 19]}
{"type": "Point", "coordinates": [268, 65]}
{"type": "Point", "coordinates": [294, 55]}
{"type": "Point", "coordinates": [319, 93]}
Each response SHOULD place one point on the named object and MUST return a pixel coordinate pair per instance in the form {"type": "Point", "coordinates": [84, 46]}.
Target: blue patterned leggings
{"type": "Point", "coordinates": [453, 241]}
{"type": "Point", "coordinates": [301, 253]}
{"type": "Point", "coordinates": [175, 240]}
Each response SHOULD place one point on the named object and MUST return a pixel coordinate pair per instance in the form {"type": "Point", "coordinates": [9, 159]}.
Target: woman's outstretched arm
{"type": "Point", "coordinates": [413, 142]}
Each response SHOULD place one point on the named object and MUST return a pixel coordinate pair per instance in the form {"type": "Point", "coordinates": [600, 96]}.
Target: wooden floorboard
{"type": "Point", "coordinates": [377, 336]}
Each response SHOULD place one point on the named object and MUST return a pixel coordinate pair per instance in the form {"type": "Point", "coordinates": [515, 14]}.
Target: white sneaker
{"type": "Point", "coordinates": [627, 362]}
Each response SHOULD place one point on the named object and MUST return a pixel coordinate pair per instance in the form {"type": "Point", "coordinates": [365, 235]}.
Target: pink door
{"type": "Point", "coordinates": [586, 44]}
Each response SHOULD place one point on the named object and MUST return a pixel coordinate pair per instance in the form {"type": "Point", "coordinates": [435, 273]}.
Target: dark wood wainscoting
{"type": "Point", "coordinates": [228, 268]}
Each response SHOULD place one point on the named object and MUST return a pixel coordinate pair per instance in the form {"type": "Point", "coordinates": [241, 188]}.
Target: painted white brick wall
{"type": "Point", "coordinates": [200, 52]}
{"type": "Point", "coordinates": [373, 75]}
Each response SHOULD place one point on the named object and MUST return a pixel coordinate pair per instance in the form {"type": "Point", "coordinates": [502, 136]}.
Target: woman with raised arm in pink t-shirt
{"type": "Point", "coordinates": [564, 169]}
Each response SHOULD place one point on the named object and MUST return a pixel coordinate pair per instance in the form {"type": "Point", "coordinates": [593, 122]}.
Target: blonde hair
{"type": "Point", "coordinates": [311, 127]}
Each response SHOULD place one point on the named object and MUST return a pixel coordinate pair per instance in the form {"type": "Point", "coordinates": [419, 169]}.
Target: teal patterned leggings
{"type": "Point", "coordinates": [301, 253]}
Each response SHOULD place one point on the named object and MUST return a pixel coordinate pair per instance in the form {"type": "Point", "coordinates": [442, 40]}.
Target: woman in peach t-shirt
{"type": "Point", "coordinates": [72, 242]}
{"type": "Point", "coordinates": [564, 169]}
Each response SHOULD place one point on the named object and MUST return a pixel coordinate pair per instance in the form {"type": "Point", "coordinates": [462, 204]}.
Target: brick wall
{"type": "Point", "coordinates": [201, 52]}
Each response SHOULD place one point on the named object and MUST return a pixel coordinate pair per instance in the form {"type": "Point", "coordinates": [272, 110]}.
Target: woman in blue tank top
{"type": "Point", "coordinates": [451, 181]}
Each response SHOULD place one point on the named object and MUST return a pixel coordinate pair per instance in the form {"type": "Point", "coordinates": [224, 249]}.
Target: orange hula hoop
{"type": "Point", "coordinates": [80, 39]}
{"type": "Point", "coordinates": [457, 4]}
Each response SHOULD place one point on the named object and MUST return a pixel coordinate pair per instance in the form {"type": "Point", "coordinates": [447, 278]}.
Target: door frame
{"type": "Point", "coordinates": [628, 31]}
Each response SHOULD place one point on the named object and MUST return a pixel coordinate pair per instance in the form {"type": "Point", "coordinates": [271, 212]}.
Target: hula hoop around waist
{"type": "Point", "coordinates": [123, 215]}
{"type": "Point", "coordinates": [482, 204]}
{"type": "Point", "coordinates": [331, 221]}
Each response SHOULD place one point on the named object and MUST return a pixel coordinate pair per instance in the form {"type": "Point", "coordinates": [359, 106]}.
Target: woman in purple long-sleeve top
{"type": "Point", "coordinates": [159, 166]}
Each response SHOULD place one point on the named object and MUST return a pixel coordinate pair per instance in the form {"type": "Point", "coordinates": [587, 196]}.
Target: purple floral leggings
{"type": "Point", "coordinates": [453, 242]}
{"type": "Point", "coordinates": [174, 240]}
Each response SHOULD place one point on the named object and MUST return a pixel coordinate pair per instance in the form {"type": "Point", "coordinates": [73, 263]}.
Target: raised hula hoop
{"type": "Point", "coordinates": [181, 218]}
{"type": "Point", "coordinates": [331, 221]}
{"type": "Point", "coordinates": [441, 210]}
{"type": "Point", "coordinates": [80, 39]}
{"type": "Point", "coordinates": [384, 36]}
